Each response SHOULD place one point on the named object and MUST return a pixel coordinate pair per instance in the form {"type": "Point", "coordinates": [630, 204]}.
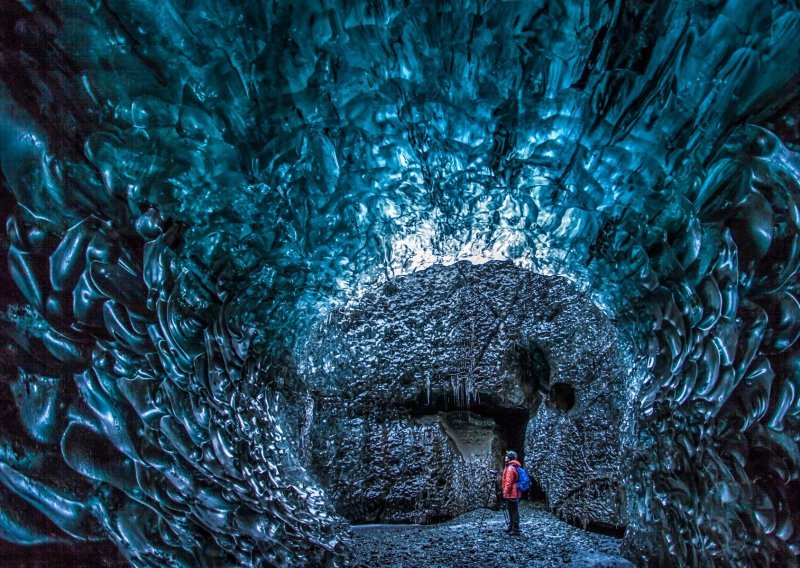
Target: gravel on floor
{"type": "Point", "coordinates": [477, 540]}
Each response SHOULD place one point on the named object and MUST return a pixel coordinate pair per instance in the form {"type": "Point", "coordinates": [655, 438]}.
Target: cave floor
{"type": "Point", "coordinates": [468, 541]}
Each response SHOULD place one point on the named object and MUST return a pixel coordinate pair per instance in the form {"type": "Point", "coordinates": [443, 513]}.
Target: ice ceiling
{"type": "Point", "coordinates": [189, 184]}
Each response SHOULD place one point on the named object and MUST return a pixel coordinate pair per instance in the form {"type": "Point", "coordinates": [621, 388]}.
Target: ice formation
{"type": "Point", "coordinates": [188, 185]}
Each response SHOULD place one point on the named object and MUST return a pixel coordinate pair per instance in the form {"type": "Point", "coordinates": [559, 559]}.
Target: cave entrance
{"type": "Point", "coordinates": [510, 428]}
{"type": "Point", "coordinates": [527, 364]}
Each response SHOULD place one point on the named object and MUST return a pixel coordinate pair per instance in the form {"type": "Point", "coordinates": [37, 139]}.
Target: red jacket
{"type": "Point", "coordinates": [510, 478]}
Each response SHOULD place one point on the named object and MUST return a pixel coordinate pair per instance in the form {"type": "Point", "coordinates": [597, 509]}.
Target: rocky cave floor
{"type": "Point", "coordinates": [476, 539]}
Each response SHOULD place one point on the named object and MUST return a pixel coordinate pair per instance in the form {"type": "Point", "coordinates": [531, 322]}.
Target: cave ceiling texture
{"type": "Point", "coordinates": [197, 196]}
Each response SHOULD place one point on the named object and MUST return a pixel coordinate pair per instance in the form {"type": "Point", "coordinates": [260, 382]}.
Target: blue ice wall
{"type": "Point", "coordinates": [189, 184]}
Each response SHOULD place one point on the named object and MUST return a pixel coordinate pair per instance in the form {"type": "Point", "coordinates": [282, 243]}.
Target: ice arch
{"type": "Point", "coordinates": [187, 186]}
{"type": "Point", "coordinates": [420, 386]}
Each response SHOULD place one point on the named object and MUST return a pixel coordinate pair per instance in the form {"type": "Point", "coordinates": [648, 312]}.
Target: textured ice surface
{"type": "Point", "coordinates": [188, 185]}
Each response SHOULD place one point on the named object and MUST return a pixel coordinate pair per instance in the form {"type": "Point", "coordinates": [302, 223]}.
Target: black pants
{"type": "Point", "coordinates": [513, 514]}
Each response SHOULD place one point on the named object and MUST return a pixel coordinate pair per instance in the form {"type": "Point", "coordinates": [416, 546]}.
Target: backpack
{"type": "Point", "coordinates": [523, 479]}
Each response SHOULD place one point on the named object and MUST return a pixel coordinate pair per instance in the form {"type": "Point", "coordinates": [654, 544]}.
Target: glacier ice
{"type": "Point", "coordinates": [188, 186]}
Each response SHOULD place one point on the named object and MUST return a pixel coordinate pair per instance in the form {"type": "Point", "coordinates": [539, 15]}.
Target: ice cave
{"type": "Point", "coordinates": [275, 271]}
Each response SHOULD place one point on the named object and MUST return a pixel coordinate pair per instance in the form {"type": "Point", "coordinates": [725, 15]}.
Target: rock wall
{"type": "Point", "coordinates": [420, 385]}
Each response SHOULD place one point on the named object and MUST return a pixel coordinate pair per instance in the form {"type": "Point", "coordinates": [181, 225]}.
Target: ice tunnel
{"type": "Point", "coordinates": [436, 375]}
{"type": "Point", "coordinates": [243, 237]}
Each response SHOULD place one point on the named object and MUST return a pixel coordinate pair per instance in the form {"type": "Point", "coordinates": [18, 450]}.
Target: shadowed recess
{"type": "Point", "coordinates": [561, 397]}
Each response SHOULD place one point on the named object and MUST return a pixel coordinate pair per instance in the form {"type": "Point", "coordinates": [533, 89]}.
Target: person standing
{"type": "Point", "coordinates": [512, 493]}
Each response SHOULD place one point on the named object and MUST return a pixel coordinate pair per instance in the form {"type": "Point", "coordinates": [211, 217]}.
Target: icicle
{"type": "Point", "coordinates": [468, 388]}
{"type": "Point", "coordinates": [428, 388]}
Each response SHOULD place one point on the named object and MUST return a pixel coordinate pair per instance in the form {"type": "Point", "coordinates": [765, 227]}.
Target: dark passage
{"type": "Point", "coordinates": [561, 397]}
